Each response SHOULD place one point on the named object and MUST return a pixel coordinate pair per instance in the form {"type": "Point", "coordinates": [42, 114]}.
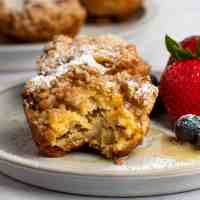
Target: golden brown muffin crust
{"type": "Point", "coordinates": [40, 20]}
{"type": "Point", "coordinates": [119, 9]}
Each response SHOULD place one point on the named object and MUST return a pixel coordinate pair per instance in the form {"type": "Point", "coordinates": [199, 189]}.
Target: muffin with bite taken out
{"type": "Point", "coordinates": [93, 91]}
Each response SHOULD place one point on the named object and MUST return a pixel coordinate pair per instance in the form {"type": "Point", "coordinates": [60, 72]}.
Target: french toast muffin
{"type": "Point", "coordinates": [40, 20]}
{"type": "Point", "coordinates": [108, 9]}
{"type": "Point", "coordinates": [96, 93]}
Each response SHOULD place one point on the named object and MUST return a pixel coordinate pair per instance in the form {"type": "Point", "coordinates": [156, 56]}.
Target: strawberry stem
{"type": "Point", "coordinates": [176, 50]}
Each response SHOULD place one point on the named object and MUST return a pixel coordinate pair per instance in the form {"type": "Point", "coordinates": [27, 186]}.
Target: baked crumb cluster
{"type": "Point", "coordinates": [40, 20]}
{"type": "Point", "coordinates": [93, 91]}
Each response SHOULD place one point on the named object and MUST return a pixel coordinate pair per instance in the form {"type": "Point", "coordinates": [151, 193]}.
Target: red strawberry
{"type": "Point", "coordinates": [180, 83]}
{"type": "Point", "coordinates": [189, 43]}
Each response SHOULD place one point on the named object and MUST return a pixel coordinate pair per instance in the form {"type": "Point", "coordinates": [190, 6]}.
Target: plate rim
{"type": "Point", "coordinates": [188, 172]}
{"type": "Point", "coordinates": [21, 47]}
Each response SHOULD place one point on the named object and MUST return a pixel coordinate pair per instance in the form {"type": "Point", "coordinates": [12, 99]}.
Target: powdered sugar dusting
{"type": "Point", "coordinates": [133, 84]}
{"type": "Point", "coordinates": [87, 59]}
{"type": "Point", "coordinates": [15, 4]}
{"type": "Point", "coordinates": [109, 49]}
{"type": "Point", "coordinates": [18, 5]}
{"type": "Point", "coordinates": [145, 91]}
{"type": "Point", "coordinates": [41, 81]}
{"type": "Point", "coordinates": [84, 59]}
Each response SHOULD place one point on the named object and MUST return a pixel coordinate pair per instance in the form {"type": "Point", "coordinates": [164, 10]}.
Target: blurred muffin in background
{"type": "Point", "coordinates": [40, 20]}
{"type": "Point", "coordinates": [112, 9]}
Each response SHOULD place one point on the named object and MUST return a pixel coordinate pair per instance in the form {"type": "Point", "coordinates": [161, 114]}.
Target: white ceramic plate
{"type": "Point", "coordinates": [159, 166]}
{"type": "Point", "coordinates": [21, 57]}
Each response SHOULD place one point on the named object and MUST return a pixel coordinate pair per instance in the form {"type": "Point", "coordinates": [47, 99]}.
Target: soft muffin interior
{"type": "Point", "coordinates": [90, 116]}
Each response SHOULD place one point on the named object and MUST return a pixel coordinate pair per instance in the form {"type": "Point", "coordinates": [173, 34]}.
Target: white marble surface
{"type": "Point", "coordinates": [178, 18]}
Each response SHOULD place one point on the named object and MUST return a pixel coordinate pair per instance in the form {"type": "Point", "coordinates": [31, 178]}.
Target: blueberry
{"type": "Point", "coordinates": [187, 129]}
{"type": "Point", "coordinates": [159, 106]}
